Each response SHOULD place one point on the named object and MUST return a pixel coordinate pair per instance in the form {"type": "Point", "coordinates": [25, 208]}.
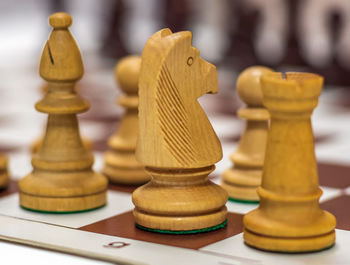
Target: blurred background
{"type": "Point", "coordinates": [286, 35]}
{"type": "Point", "coordinates": [303, 35]}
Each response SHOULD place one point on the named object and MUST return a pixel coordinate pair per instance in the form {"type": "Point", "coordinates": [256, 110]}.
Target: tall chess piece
{"type": "Point", "coordinates": [4, 177]}
{"type": "Point", "coordinates": [176, 142]}
{"type": "Point", "coordinates": [62, 179]}
{"type": "Point", "coordinates": [289, 218]}
{"type": "Point", "coordinates": [121, 166]}
{"type": "Point", "coordinates": [244, 177]}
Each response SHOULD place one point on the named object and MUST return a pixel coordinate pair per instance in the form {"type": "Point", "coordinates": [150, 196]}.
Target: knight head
{"type": "Point", "coordinates": [174, 53]}
{"type": "Point", "coordinates": [174, 131]}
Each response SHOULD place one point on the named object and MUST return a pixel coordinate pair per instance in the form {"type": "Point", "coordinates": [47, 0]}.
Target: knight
{"type": "Point", "coordinates": [176, 142]}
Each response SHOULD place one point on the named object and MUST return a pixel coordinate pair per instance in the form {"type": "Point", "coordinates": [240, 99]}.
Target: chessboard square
{"type": "Point", "coordinates": [329, 193]}
{"type": "Point", "coordinates": [109, 248]}
{"type": "Point", "coordinates": [241, 207]}
{"type": "Point", "coordinates": [10, 189]}
{"type": "Point", "coordinates": [123, 226]}
{"type": "Point", "coordinates": [19, 164]}
{"type": "Point", "coordinates": [336, 207]}
{"type": "Point", "coordinates": [334, 176]}
{"type": "Point", "coordinates": [117, 203]}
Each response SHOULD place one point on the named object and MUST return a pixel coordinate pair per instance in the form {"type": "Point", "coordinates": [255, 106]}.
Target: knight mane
{"type": "Point", "coordinates": [157, 83]}
{"type": "Point", "coordinates": [156, 52]}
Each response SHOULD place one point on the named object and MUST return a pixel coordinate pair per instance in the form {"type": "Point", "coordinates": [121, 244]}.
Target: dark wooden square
{"type": "Point", "coordinates": [339, 206]}
{"type": "Point", "coordinates": [123, 226]}
{"type": "Point", "coordinates": [334, 176]}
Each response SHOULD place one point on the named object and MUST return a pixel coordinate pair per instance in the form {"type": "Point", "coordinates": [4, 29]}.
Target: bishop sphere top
{"type": "Point", "coordinates": [60, 20]}
{"type": "Point", "coordinates": [61, 59]}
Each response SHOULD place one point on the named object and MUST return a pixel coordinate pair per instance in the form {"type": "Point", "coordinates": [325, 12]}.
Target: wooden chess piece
{"type": "Point", "coordinates": [4, 177]}
{"type": "Point", "coordinates": [176, 142]}
{"type": "Point", "coordinates": [62, 179]}
{"type": "Point", "coordinates": [35, 146]}
{"type": "Point", "coordinates": [242, 179]}
{"type": "Point", "coordinates": [289, 218]}
{"type": "Point", "coordinates": [121, 165]}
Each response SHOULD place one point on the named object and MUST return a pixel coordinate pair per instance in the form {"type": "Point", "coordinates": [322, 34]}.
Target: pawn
{"type": "Point", "coordinates": [121, 166]}
{"type": "Point", "coordinates": [244, 177]}
{"type": "Point", "coordinates": [62, 179]}
{"type": "Point", "coordinates": [289, 217]}
{"type": "Point", "coordinates": [4, 177]}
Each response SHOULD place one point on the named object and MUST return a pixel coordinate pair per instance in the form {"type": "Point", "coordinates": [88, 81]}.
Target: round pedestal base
{"type": "Point", "coordinates": [126, 176]}
{"type": "Point", "coordinates": [241, 193]}
{"type": "Point", "coordinates": [187, 232]}
{"type": "Point", "coordinates": [63, 191]}
{"type": "Point", "coordinates": [180, 200]}
{"type": "Point", "coordinates": [4, 179]}
{"type": "Point", "coordinates": [181, 224]}
{"type": "Point", "coordinates": [64, 204]}
{"type": "Point", "coordinates": [241, 184]}
{"type": "Point", "coordinates": [123, 168]}
{"type": "Point", "coordinates": [289, 244]}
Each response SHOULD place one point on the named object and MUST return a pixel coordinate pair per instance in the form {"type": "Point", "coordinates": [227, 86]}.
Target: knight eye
{"type": "Point", "coordinates": [190, 61]}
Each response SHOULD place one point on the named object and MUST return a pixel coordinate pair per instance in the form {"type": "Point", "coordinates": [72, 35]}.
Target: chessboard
{"type": "Point", "coordinates": [109, 234]}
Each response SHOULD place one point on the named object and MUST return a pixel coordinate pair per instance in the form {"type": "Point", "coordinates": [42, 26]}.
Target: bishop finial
{"type": "Point", "coordinates": [60, 20]}
{"type": "Point", "coordinates": [61, 59]}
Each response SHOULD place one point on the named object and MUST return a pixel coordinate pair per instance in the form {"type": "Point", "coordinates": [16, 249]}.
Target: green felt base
{"type": "Point", "coordinates": [196, 231]}
{"type": "Point", "coordinates": [242, 201]}
{"type": "Point", "coordinates": [63, 212]}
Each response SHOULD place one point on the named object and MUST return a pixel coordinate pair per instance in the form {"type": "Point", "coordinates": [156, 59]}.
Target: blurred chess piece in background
{"type": "Point", "coordinates": [320, 41]}
{"type": "Point", "coordinates": [121, 165]}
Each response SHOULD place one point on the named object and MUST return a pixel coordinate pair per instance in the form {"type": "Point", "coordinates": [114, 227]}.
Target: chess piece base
{"type": "Point", "coordinates": [4, 177]}
{"type": "Point", "coordinates": [241, 184]}
{"type": "Point", "coordinates": [63, 192]}
{"type": "Point", "coordinates": [180, 223]}
{"type": "Point", "coordinates": [293, 224]}
{"type": "Point", "coordinates": [187, 232]}
{"type": "Point", "coordinates": [289, 244]}
{"type": "Point", "coordinates": [124, 169]}
{"type": "Point", "coordinates": [126, 176]}
{"type": "Point", "coordinates": [180, 201]}
{"type": "Point", "coordinates": [64, 204]}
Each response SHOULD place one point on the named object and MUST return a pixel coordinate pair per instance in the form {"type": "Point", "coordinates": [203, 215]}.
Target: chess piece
{"type": "Point", "coordinates": [4, 177]}
{"type": "Point", "coordinates": [289, 218]}
{"type": "Point", "coordinates": [242, 180]}
{"type": "Point", "coordinates": [176, 142]}
{"type": "Point", "coordinates": [35, 146]}
{"type": "Point", "coordinates": [121, 165]}
{"type": "Point", "coordinates": [62, 179]}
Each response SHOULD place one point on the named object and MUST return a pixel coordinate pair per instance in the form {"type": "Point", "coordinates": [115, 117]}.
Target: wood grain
{"type": "Point", "coordinates": [62, 179]}
{"type": "Point", "coordinates": [176, 142]}
{"type": "Point", "coordinates": [289, 218]}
